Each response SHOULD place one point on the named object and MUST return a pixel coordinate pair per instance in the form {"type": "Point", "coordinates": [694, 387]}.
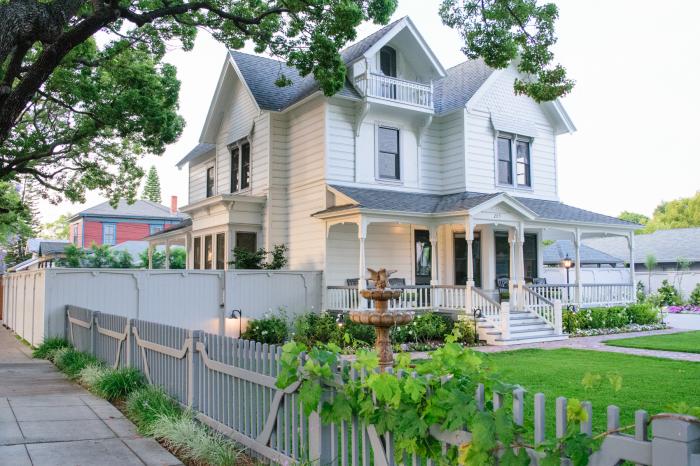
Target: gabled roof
{"type": "Point", "coordinates": [459, 86]}
{"type": "Point", "coordinates": [666, 245]}
{"type": "Point", "coordinates": [358, 49]}
{"type": "Point", "coordinates": [556, 252]}
{"type": "Point", "coordinates": [424, 203]}
{"type": "Point", "coordinates": [139, 209]}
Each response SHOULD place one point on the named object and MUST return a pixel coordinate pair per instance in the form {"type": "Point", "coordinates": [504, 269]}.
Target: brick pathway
{"type": "Point", "coordinates": [46, 420]}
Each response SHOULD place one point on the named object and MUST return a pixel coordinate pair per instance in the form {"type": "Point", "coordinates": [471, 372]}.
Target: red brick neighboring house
{"type": "Point", "coordinates": [103, 224]}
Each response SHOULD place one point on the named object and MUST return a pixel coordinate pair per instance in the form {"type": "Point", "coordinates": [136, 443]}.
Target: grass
{"type": "Point", "coordinates": [686, 342]}
{"type": "Point", "coordinates": [148, 404]}
{"type": "Point", "coordinates": [49, 346]}
{"type": "Point", "coordinates": [648, 383]}
{"type": "Point", "coordinates": [116, 384]}
{"type": "Point", "coordinates": [71, 362]}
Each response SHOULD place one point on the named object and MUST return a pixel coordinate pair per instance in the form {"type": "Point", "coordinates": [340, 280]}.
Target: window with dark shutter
{"type": "Point", "coordinates": [240, 166]}
{"type": "Point", "coordinates": [197, 252]}
{"type": "Point", "coordinates": [389, 159]}
{"type": "Point", "coordinates": [505, 161]}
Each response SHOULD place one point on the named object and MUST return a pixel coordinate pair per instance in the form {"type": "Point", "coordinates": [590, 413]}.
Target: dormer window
{"type": "Point", "coordinates": [387, 61]}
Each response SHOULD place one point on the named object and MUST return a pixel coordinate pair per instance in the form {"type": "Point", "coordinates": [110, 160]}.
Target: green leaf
{"type": "Point", "coordinates": [310, 396]}
{"type": "Point", "coordinates": [367, 360]}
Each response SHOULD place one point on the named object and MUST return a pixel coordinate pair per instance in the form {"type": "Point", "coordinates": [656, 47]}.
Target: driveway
{"type": "Point", "coordinates": [46, 420]}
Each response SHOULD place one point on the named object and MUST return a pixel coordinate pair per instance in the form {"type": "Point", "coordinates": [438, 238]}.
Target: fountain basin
{"type": "Point", "coordinates": [381, 318]}
{"type": "Point", "coordinates": [380, 295]}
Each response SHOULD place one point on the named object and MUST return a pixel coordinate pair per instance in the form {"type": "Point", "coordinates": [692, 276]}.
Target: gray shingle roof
{"type": "Point", "coordinates": [461, 83]}
{"type": "Point", "coordinates": [140, 208]}
{"type": "Point", "coordinates": [556, 252]}
{"type": "Point", "coordinates": [260, 73]}
{"type": "Point", "coordinates": [396, 201]}
{"type": "Point", "coordinates": [666, 245]}
{"type": "Point", "coordinates": [200, 149]}
{"type": "Point", "coordinates": [178, 226]}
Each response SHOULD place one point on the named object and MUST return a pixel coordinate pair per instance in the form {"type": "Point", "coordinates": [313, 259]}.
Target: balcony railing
{"type": "Point", "coordinates": [396, 90]}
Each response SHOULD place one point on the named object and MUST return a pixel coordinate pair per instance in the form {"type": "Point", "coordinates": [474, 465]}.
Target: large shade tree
{"type": "Point", "coordinates": [84, 91]}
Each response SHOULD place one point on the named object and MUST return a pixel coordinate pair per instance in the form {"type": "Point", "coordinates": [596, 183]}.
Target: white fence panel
{"type": "Point", "coordinates": [592, 276]}
{"type": "Point", "coordinates": [256, 292]}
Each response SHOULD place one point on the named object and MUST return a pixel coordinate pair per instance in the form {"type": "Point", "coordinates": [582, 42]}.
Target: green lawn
{"type": "Point", "coordinates": [687, 342]}
{"type": "Point", "coordinates": [647, 383]}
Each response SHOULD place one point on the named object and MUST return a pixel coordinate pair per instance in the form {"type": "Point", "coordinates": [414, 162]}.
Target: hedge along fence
{"type": "Point", "coordinates": [231, 385]}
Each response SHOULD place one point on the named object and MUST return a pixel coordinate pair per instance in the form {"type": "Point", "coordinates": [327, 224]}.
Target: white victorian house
{"type": "Point", "coordinates": [446, 176]}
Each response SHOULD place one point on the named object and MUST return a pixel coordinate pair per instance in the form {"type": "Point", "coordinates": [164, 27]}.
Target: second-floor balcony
{"type": "Point", "coordinates": [395, 90]}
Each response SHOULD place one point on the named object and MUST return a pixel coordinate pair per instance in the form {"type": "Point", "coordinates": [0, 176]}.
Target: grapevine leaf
{"type": "Point", "coordinates": [310, 396]}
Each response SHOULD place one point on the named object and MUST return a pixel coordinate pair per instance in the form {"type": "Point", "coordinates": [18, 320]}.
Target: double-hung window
{"type": "Point", "coordinates": [388, 157]}
{"type": "Point", "coordinates": [240, 166]}
{"type": "Point", "coordinates": [518, 172]}
{"type": "Point", "coordinates": [210, 181]}
{"type": "Point", "coordinates": [109, 233]}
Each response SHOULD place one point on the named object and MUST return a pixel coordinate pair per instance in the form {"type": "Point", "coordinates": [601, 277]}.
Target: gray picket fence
{"type": "Point", "coordinates": [230, 384]}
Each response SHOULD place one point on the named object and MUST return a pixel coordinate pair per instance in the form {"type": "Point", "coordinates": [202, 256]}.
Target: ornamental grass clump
{"type": "Point", "coordinates": [116, 384]}
{"type": "Point", "coordinates": [193, 441]}
{"type": "Point", "coordinates": [146, 405]}
{"type": "Point", "coordinates": [71, 362]}
{"type": "Point", "coordinates": [49, 347]}
{"type": "Point", "coordinates": [92, 374]}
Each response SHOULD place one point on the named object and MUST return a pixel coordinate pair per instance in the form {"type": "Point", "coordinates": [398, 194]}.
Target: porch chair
{"type": "Point", "coordinates": [539, 281]}
{"type": "Point", "coordinates": [397, 283]}
{"type": "Point", "coordinates": [502, 287]}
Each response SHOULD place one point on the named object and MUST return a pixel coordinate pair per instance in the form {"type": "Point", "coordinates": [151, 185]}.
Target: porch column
{"type": "Point", "coordinates": [362, 272]}
{"type": "Point", "coordinates": [167, 254]}
{"type": "Point", "coordinates": [150, 255]}
{"type": "Point", "coordinates": [520, 267]}
{"type": "Point", "coordinates": [511, 269]}
{"type": "Point", "coordinates": [633, 279]}
{"type": "Point", "coordinates": [577, 265]}
{"type": "Point", "coordinates": [469, 235]}
{"type": "Point", "coordinates": [434, 277]}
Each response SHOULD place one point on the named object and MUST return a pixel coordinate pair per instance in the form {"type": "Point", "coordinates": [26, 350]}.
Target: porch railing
{"type": "Point", "coordinates": [398, 90]}
{"type": "Point", "coordinates": [548, 310]}
{"type": "Point", "coordinates": [603, 294]}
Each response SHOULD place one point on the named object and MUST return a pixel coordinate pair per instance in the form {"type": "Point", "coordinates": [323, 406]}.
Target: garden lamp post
{"type": "Point", "coordinates": [237, 314]}
{"type": "Point", "coordinates": [567, 263]}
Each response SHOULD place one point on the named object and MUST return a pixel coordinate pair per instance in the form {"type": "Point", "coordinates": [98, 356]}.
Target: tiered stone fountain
{"type": "Point", "coordinates": [380, 317]}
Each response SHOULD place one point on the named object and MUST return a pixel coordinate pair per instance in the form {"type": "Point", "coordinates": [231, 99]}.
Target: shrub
{"type": "Point", "coordinates": [668, 294]}
{"type": "Point", "coordinates": [49, 347]}
{"type": "Point", "coordinates": [354, 334]}
{"type": "Point", "coordinates": [424, 328]}
{"type": "Point", "coordinates": [695, 295]}
{"type": "Point", "coordinates": [463, 332]}
{"type": "Point", "coordinates": [145, 405]}
{"type": "Point", "coordinates": [272, 330]}
{"type": "Point", "coordinates": [71, 362]}
{"type": "Point", "coordinates": [643, 314]}
{"type": "Point", "coordinates": [118, 383]}
{"type": "Point", "coordinates": [91, 375]}
{"type": "Point", "coordinates": [641, 292]}
{"type": "Point", "coordinates": [311, 329]}
{"type": "Point", "coordinates": [194, 441]}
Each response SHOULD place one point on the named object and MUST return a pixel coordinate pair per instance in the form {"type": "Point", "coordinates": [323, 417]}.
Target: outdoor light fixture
{"type": "Point", "coordinates": [237, 314]}
{"type": "Point", "coordinates": [340, 320]}
{"type": "Point", "coordinates": [477, 315]}
{"type": "Point", "coordinates": [567, 263]}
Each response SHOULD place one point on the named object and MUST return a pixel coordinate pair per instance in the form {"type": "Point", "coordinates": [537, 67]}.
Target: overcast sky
{"type": "Point", "coordinates": [636, 103]}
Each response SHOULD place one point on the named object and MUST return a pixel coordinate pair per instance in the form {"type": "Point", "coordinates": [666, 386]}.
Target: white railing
{"type": "Point", "coordinates": [548, 310]}
{"type": "Point", "coordinates": [490, 309]}
{"type": "Point", "coordinates": [602, 294]}
{"type": "Point", "coordinates": [394, 89]}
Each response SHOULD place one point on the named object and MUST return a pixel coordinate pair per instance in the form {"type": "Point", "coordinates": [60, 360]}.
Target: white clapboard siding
{"type": "Point", "coordinates": [341, 137]}
{"type": "Point", "coordinates": [453, 152]}
{"type": "Point", "coordinates": [198, 178]}
{"type": "Point", "coordinates": [500, 100]}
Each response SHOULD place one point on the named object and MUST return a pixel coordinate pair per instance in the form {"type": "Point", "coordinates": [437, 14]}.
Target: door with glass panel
{"type": "Point", "coordinates": [460, 253]}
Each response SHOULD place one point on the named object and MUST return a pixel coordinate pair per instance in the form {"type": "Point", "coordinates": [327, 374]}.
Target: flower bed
{"type": "Point", "coordinates": [686, 309]}
{"type": "Point", "coordinates": [612, 331]}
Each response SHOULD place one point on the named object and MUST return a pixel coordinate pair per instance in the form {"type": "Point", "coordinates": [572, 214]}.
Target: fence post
{"type": "Point", "coordinates": [505, 320]}
{"type": "Point", "coordinates": [320, 436]}
{"type": "Point", "coordinates": [193, 369]}
{"type": "Point", "coordinates": [129, 351]}
{"type": "Point", "coordinates": [67, 325]}
{"type": "Point", "coordinates": [93, 331]}
{"type": "Point", "coordinates": [676, 440]}
{"type": "Point", "coordinates": [558, 324]}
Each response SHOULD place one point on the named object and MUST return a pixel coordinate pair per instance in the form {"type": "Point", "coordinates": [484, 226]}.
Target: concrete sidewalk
{"type": "Point", "coordinates": [46, 420]}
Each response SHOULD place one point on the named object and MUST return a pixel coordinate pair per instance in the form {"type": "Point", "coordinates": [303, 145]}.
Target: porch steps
{"type": "Point", "coordinates": [525, 327]}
